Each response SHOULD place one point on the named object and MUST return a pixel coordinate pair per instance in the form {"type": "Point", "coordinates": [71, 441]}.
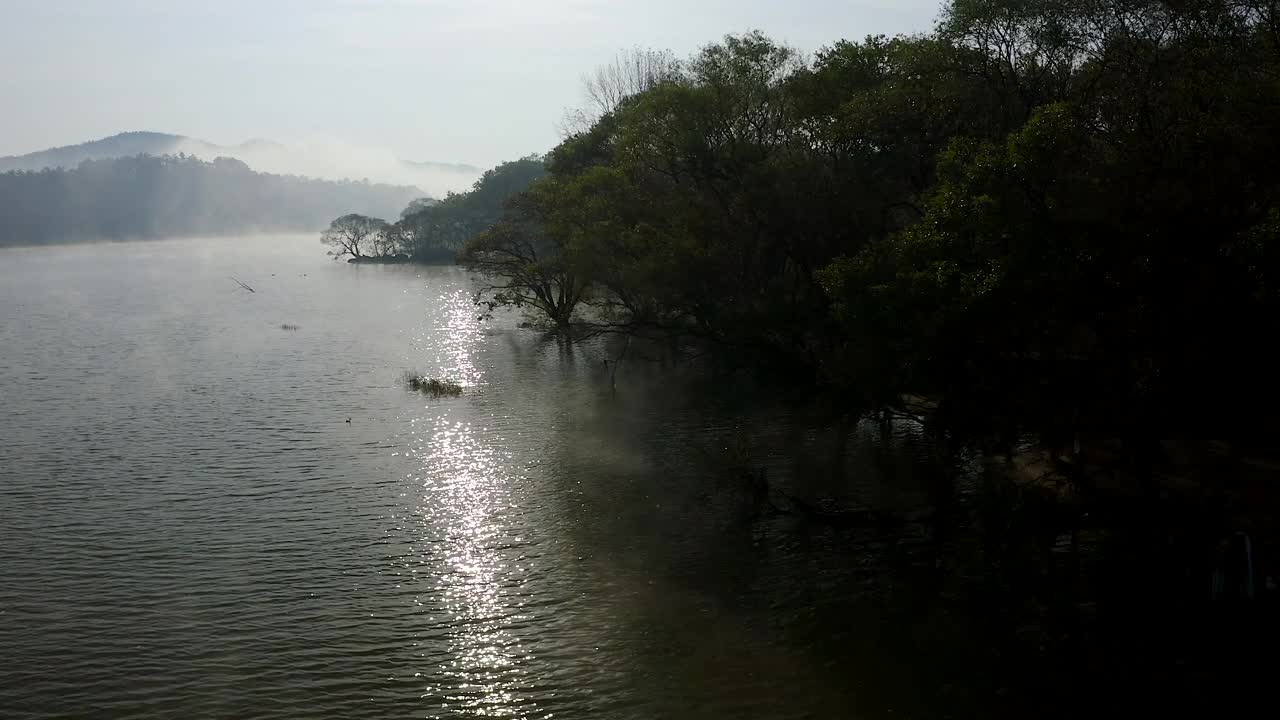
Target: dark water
{"type": "Point", "coordinates": [191, 528]}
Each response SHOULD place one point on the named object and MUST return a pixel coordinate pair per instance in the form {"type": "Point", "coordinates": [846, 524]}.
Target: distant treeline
{"type": "Point", "coordinates": [430, 231]}
{"type": "Point", "coordinates": [1051, 216]}
{"type": "Point", "coordinates": [149, 197]}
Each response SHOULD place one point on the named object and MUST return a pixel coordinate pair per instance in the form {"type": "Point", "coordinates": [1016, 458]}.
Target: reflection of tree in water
{"type": "Point", "coordinates": [710, 606]}
{"type": "Point", "coordinates": [961, 592]}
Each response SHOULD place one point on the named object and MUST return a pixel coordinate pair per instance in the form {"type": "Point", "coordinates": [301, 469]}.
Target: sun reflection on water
{"type": "Point", "coordinates": [473, 661]}
{"type": "Point", "coordinates": [452, 343]}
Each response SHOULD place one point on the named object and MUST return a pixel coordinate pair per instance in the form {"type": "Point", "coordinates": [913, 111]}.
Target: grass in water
{"type": "Point", "coordinates": [431, 386]}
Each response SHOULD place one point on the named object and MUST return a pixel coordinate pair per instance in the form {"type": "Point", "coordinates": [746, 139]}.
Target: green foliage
{"type": "Point", "coordinates": [1107, 266]}
{"type": "Point", "coordinates": [525, 256]}
{"type": "Point", "coordinates": [984, 289]}
{"type": "Point", "coordinates": [1056, 217]}
{"type": "Point", "coordinates": [437, 231]}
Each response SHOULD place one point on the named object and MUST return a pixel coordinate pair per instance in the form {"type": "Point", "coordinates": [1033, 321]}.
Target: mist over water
{"type": "Point", "coordinates": [192, 527]}
{"type": "Point", "coordinates": [334, 159]}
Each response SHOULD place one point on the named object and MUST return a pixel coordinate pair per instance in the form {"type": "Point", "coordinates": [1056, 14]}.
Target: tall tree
{"type": "Point", "coordinates": [606, 88]}
{"type": "Point", "coordinates": [357, 236]}
{"type": "Point", "coordinates": [526, 261]}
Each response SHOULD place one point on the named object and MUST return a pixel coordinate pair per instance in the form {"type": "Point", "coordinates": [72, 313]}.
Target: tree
{"type": "Point", "coordinates": [1024, 213]}
{"type": "Point", "coordinates": [526, 260]}
{"type": "Point", "coordinates": [387, 242]}
{"type": "Point", "coordinates": [356, 235]}
{"type": "Point", "coordinates": [435, 232]}
{"type": "Point", "coordinates": [698, 208]}
{"type": "Point", "coordinates": [418, 205]}
{"type": "Point", "coordinates": [1105, 265]}
{"type": "Point", "coordinates": [631, 73]}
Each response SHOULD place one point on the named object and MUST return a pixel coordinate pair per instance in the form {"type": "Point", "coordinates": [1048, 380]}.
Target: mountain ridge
{"type": "Point", "coordinates": [323, 160]}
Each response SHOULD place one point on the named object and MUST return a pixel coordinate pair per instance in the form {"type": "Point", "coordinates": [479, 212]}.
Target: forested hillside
{"type": "Point", "coordinates": [148, 197]}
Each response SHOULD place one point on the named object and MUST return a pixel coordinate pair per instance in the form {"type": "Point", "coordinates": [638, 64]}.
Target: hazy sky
{"type": "Point", "coordinates": [476, 81]}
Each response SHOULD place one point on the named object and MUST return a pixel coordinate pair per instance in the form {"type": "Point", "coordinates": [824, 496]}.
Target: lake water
{"type": "Point", "coordinates": [191, 527]}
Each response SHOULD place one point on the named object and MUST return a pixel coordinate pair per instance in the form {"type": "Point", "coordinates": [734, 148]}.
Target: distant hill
{"type": "Point", "coordinates": [122, 145]}
{"type": "Point", "coordinates": [309, 158]}
{"type": "Point", "coordinates": [146, 196]}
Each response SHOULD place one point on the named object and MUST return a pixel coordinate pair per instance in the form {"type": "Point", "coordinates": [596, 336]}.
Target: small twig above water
{"type": "Point", "coordinates": [246, 287]}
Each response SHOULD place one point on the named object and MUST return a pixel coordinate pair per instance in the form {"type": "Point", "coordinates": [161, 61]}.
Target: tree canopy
{"type": "Point", "coordinates": [1050, 216]}
{"type": "Point", "coordinates": [436, 232]}
{"type": "Point", "coordinates": [359, 237]}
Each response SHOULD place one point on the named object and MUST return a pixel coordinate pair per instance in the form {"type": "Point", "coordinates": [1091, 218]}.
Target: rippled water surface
{"type": "Point", "coordinates": [205, 514]}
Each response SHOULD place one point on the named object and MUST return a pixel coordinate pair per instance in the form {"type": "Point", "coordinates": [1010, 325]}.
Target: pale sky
{"type": "Point", "coordinates": [474, 81]}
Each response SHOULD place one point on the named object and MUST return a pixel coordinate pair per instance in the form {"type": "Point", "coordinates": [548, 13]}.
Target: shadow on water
{"type": "Point", "coordinates": [929, 586]}
{"type": "Point", "coordinates": [210, 537]}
